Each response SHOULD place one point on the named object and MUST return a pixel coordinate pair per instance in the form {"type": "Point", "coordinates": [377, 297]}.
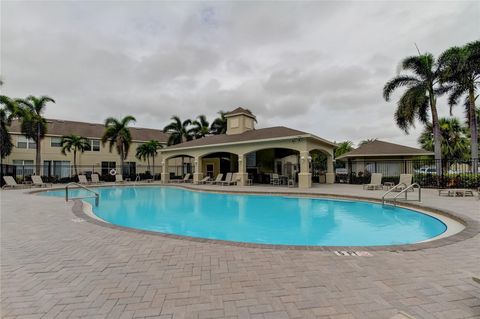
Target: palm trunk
{"type": "Point", "coordinates": [153, 167]}
{"type": "Point", "coordinates": [122, 161]}
{"type": "Point", "coordinates": [473, 130]}
{"type": "Point", "coordinates": [437, 138]}
{"type": "Point", "coordinates": [38, 156]}
{"type": "Point", "coordinates": [75, 161]}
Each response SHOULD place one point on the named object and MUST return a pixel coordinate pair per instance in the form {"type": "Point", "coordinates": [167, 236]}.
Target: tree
{"type": "Point", "coordinates": [77, 144]}
{"type": "Point", "coordinates": [343, 147]}
{"type": "Point", "coordinates": [179, 131]}
{"type": "Point", "coordinates": [117, 133]}
{"type": "Point", "coordinates": [368, 140]}
{"type": "Point", "coordinates": [201, 127]}
{"type": "Point", "coordinates": [149, 150]}
{"type": "Point", "coordinates": [7, 113]}
{"type": "Point", "coordinates": [455, 143]}
{"type": "Point", "coordinates": [422, 90]}
{"type": "Point", "coordinates": [143, 153]}
{"type": "Point", "coordinates": [460, 74]}
{"type": "Point", "coordinates": [33, 124]}
{"type": "Point", "coordinates": [219, 125]}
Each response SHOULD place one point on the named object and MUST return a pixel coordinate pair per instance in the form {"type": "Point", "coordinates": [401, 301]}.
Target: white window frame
{"type": "Point", "coordinates": [29, 143]}
{"type": "Point", "coordinates": [59, 139]}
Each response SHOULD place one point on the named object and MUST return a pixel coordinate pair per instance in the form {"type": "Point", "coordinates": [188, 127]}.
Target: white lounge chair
{"type": "Point", "coordinates": [375, 182]}
{"type": "Point", "coordinates": [95, 178]}
{"type": "Point", "coordinates": [82, 179]}
{"type": "Point", "coordinates": [217, 180]}
{"type": "Point", "coordinates": [404, 182]}
{"type": "Point", "coordinates": [186, 178]}
{"type": "Point", "coordinates": [275, 179]}
{"type": "Point", "coordinates": [204, 180]}
{"type": "Point", "coordinates": [37, 181]}
{"type": "Point", "coordinates": [456, 192]}
{"type": "Point", "coordinates": [10, 182]}
{"type": "Point", "coordinates": [119, 178]}
{"type": "Point", "coordinates": [230, 179]}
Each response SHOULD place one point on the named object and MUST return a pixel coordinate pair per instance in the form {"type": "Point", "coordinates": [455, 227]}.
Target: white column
{"type": "Point", "coordinates": [304, 177]}
{"type": "Point", "coordinates": [198, 174]}
{"type": "Point", "coordinates": [165, 174]}
{"type": "Point", "coordinates": [330, 175]}
{"type": "Point", "coordinates": [242, 170]}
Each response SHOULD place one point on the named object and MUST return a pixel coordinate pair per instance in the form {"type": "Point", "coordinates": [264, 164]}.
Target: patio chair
{"type": "Point", "coordinates": [217, 180]}
{"type": "Point", "coordinates": [186, 178]}
{"type": "Point", "coordinates": [10, 182]}
{"type": "Point", "coordinates": [82, 179]}
{"type": "Point", "coordinates": [275, 180]}
{"type": "Point", "coordinates": [405, 181]}
{"type": "Point", "coordinates": [375, 182]}
{"type": "Point", "coordinates": [119, 178]}
{"type": "Point", "coordinates": [231, 181]}
{"type": "Point", "coordinates": [95, 178]}
{"type": "Point", "coordinates": [204, 180]}
{"type": "Point", "coordinates": [455, 192]}
{"type": "Point", "coordinates": [37, 181]}
{"type": "Point", "coordinates": [227, 181]}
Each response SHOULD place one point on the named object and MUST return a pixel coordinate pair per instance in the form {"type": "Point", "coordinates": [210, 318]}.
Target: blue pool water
{"type": "Point", "coordinates": [261, 219]}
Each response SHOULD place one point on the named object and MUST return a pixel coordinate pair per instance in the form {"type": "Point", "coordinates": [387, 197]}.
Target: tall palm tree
{"type": "Point", "coordinates": [343, 147]}
{"type": "Point", "coordinates": [201, 127]}
{"type": "Point", "coordinates": [460, 74]}
{"type": "Point", "coordinates": [143, 153]}
{"type": "Point", "coordinates": [455, 144]}
{"type": "Point", "coordinates": [33, 124]}
{"type": "Point", "coordinates": [7, 112]}
{"type": "Point", "coordinates": [422, 90]}
{"type": "Point", "coordinates": [117, 133]}
{"type": "Point", "coordinates": [77, 144]}
{"type": "Point", "coordinates": [149, 150]}
{"type": "Point", "coordinates": [219, 125]}
{"type": "Point", "coordinates": [179, 131]}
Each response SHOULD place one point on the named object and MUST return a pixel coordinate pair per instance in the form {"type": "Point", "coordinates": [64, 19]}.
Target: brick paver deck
{"type": "Point", "coordinates": [56, 265]}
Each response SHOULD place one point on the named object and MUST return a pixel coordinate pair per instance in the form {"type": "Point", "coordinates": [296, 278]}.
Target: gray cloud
{"type": "Point", "coordinates": [314, 66]}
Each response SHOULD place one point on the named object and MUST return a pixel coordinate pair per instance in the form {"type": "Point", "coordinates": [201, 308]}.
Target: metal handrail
{"type": "Point", "coordinates": [96, 195]}
{"type": "Point", "coordinates": [403, 191]}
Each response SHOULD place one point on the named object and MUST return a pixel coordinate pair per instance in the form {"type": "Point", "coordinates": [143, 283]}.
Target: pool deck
{"type": "Point", "coordinates": [57, 265]}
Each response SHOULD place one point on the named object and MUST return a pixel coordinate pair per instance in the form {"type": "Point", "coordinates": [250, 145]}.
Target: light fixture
{"type": "Point", "coordinates": [302, 158]}
{"type": "Point", "coordinates": [309, 158]}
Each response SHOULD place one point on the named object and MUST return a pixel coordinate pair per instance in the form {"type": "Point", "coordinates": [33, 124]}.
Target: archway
{"type": "Point", "coordinates": [212, 164]}
{"type": "Point", "coordinates": [177, 166]}
{"type": "Point", "coordinates": [321, 166]}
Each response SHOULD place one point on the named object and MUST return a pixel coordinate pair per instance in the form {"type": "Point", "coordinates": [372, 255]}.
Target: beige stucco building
{"type": "Point", "coordinates": [243, 147]}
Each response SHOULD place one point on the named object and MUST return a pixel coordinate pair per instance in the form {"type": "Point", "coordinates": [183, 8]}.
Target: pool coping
{"type": "Point", "coordinates": [471, 226]}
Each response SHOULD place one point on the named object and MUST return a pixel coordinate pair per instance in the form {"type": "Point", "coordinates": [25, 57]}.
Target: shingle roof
{"type": "Point", "coordinates": [258, 134]}
{"type": "Point", "coordinates": [240, 110]}
{"type": "Point", "coordinates": [93, 130]}
{"type": "Point", "coordinates": [381, 148]}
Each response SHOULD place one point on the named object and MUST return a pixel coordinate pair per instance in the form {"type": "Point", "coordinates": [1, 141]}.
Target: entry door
{"type": "Point", "coordinates": [210, 170]}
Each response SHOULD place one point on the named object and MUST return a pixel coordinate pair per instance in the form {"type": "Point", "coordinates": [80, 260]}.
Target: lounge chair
{"type": "Point", "coordinates": [204, 180]}
{"type": "Point", "coordinates": [95, 178]}
{"type": "Point", "coordinates": [375, 182]}
{"type": "Point", "coordinates": [119, 178]}
{"type": "Point", "coordinates": [455, 192]}
{"type": "Point", "coordinates": [82, 179]}
{"type": "Point", "coordinates": [217, 180]}
{"type": "Point", "coordinates": [405, 181]}
{"type": "Point", "coordinates": [10, 182]}
{"type": "Point", "coordinates": [186, 178]}
{"type": "Point", "coordinates": [230, 179]}
{"type": "Point", "coordinates": [37, 181]}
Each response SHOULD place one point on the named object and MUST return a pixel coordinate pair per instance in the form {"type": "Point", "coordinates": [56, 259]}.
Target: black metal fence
{"type": "Point", "coordinates": [427, 173]}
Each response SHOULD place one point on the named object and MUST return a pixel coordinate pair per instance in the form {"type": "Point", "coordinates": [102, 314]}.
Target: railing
{"type": "Point", "coordinates": [403, 191]}
{"type": "Point", "coordinates": [96, 195]}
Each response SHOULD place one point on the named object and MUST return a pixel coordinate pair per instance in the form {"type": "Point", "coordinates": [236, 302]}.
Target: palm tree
{"type": "Point", "coordinates": [201, 127]}
{"type": "Point", "coordinates": [219, 125]}
{"type": "Point", "coordinates": [343, 147]}
{"type": "Point", "coordinates": [75, 143]}
{"type": "Point", "coordinates": [420, 96]}
{"type": "Point", "coordinates": [143, 153]}
{"type": "Point", "coordinates": [7, 113]}
{"type": "Point", "coordinates": [33, 124]}
{"type": "Point", "coordinates": [460, 74]}
{"type": "Point", "coordinates": [147, 150]}
{"type": "Point", "coordinates": [368, 140]}
{"type": "Point", "coordinates": [179, 131]}
{"type": "Point", "coordinates": [455, 144]}
{"type": "Point", "coordinates": [117, 133]}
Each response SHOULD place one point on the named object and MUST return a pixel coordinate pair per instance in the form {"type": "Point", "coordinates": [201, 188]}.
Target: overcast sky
{"type": "Point", "coordinates": [314, 66]}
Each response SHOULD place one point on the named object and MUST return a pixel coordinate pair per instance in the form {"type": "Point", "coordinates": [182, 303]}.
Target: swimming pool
{"type": "Point", "coordinates": [261, 219]}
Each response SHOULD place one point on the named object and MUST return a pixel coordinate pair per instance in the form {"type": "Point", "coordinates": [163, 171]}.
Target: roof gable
{"type": "Point", "coordinates": [382, 148]}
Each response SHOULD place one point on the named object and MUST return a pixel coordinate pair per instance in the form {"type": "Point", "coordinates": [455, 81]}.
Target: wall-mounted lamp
{"type": "Point", "coordinates": [196, 162]}
{"type": "Point", "coordinates": [309, 158]}
{"type": "Point", "coordinates": [240, 159]}
{"type": "Point", "coordinates": [302, 158]}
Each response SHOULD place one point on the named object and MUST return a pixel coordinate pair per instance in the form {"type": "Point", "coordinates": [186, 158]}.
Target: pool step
{"type": "Point", "coordinates": [352, 253]}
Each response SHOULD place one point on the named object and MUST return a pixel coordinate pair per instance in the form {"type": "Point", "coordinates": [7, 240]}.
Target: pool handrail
{"type": "Point", "coordinates": [96, 195]}
{"type": "Point", "coordinates": [403, 191]}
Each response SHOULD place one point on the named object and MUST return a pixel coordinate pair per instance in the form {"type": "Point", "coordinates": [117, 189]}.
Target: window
{"type": "Point", "coordinates": [56, 142]}
{"type": "Point", "coordinates": [94, 145]}
{"type": "Point", "coordinates": [23, 142]}
{"type": "Point", "coordinates": [58, 169]}
{"type": "Point", "coordinates": [129, 169]}
{"type": "Point", "coordinates": [107, 166]}
{"type": "Point", "coordinates": [23, 167]}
